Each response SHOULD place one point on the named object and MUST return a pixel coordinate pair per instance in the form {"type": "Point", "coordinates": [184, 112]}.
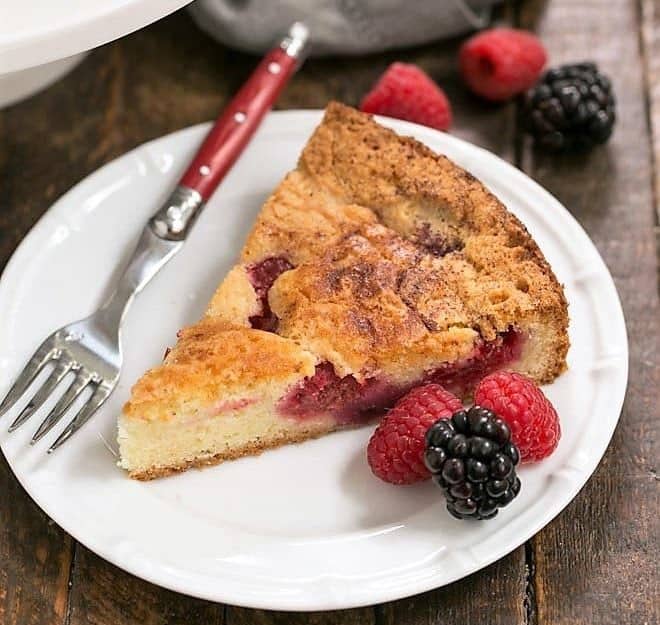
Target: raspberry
{"type": "Point", "coordinates": [262, 276]}
{"type": "Point", "coordinates": [396, 449]}
{"type": "Point", "coordinates": [404, 91]}
{"type": "Point", "coordinates": [500, 63]}
{"type": "Point", "coordinates": [534, 423]}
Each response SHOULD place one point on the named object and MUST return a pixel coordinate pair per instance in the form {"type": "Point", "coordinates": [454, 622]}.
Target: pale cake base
{"type": "Point", "coordinates": [192, 441]}
{"type": "Point", "coordinates": [210, 442]}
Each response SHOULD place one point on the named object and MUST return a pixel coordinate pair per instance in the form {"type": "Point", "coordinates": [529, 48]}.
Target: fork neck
{"type": "Point", "coordinates": [150, 254]}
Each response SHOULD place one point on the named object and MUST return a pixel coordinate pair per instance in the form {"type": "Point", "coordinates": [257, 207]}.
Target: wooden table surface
{"type": "Point", "coordinates": [597, 562]}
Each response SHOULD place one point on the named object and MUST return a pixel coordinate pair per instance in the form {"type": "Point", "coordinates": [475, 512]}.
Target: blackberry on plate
{"type": "Point", "coordinates": [572, 107]}
{"type": "Point", "coordinates": [473, 461]}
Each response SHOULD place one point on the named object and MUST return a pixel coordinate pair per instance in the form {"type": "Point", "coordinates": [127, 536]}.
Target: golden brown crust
{"type": "Point", "coordinates": [396, 248]}
{"type": "Point", "coordinates": [213, 359]}
{"type": "Point", "coordinates": [234, 300]}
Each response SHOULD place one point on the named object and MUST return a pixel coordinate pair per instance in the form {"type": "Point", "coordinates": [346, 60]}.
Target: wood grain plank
{"type": "Point", "coordinates": [495, 595]}
{"type": "Point", "coordinates": [102, 594]}
{"type": "Point", "coordinates": [243, 616]}
{"type": "Point", "coordinates": [596, 563]}
{"type": "Point", "coordinates": [650, 20]}
{"type": "Point", "coordinates": [35, 559]}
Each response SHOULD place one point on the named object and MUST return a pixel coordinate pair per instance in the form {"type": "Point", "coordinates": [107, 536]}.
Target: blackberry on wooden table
{"type": "Point", "coordinates": [473, 460]}
{"type": "Point", "coordinates": [572, 107]}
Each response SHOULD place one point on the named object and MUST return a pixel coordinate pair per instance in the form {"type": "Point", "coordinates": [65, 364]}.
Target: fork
{"type": "Point", "coordinates": [90, 349]}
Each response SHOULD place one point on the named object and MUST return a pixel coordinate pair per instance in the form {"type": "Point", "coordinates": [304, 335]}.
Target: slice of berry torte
{"type": "Point", "coordinates": [374, 266]}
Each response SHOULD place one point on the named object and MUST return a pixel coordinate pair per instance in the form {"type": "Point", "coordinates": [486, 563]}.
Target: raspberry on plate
{"type": "Point", "coordinates": [396, 449]}
{"type": "Point", "coordinates": [533, 420]}
{"type": "Point", "coordinates": [404, 91]}
{"type": "Point", "coordinates": [500, 63]}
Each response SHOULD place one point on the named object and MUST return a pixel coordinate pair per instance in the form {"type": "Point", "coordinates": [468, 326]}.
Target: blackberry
{"type": "Point", "coordinates": [473, 461]}
{"type": "Point", "coordinates": [572, 107]}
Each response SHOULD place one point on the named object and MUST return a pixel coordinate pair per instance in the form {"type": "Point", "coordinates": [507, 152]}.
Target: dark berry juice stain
{"type": "Point", "coordinates": [350, 401]}
{"type": "Point", "coordinates": [262, 275]}
{"type": "Point", "coordinates": [435, 243]}
{"type": "Point", "coordinates": [461, 378]}
{"type": "Point", "coordinates": [344, 398]}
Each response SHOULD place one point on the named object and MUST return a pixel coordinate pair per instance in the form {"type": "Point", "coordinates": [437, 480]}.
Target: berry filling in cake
{"type": "Point", "coordinates": [262, 275]}
{"type": "Point", "coordinates": [351, 402]}
{"type": "Point", "coordinates": [461, 378]}
{"type": "Point", "coordinates": [344, 398]}
{"type": "Point", "coordinates": [435, 243]}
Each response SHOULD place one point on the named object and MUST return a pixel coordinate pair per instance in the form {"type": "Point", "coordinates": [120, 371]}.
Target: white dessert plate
{"type": "Point", "coordinates": [40, 31]}
{"type": "Point", "coordinates": [304, 527]}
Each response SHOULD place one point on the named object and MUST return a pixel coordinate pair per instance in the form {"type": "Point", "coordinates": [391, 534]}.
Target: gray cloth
{"type": "Point", "coordinates": [339, 26]}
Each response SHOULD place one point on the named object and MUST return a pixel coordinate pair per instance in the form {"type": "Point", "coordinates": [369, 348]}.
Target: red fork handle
{"type": "Point", "coordinates": [240, 119]}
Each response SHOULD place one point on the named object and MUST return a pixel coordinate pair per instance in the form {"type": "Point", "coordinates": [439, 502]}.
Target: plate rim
{"type": "Point", "coordinates": [312, 601]}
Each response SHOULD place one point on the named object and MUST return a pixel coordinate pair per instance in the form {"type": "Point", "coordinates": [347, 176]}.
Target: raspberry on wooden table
{"type": "Point", "coordinates": [533, 420]}
{"type": "Point", "coordinates": [501, 63]}
{"type": "Point", "coordinates": [396, 449]}
{"type": "Point", "coordinates": [404, 91]}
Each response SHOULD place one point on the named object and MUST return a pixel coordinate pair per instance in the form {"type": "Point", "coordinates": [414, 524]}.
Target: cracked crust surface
{"type": "Point", "coordinates": [213, 359]}
{"type": "Point", "coordinates": [401, 259]}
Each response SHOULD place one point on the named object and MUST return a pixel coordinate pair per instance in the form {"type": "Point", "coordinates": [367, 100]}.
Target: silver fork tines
{"type": "Point", "coordinates": [77, 386]}
{"type": "Point", "coordinates": [30, 371]}
{"type": "Point", "coordinates": [97, 399]}
{"type": "Point", "coordinates": [89, 349]}
{"type": "Point", "coordinates": [56, 376]}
